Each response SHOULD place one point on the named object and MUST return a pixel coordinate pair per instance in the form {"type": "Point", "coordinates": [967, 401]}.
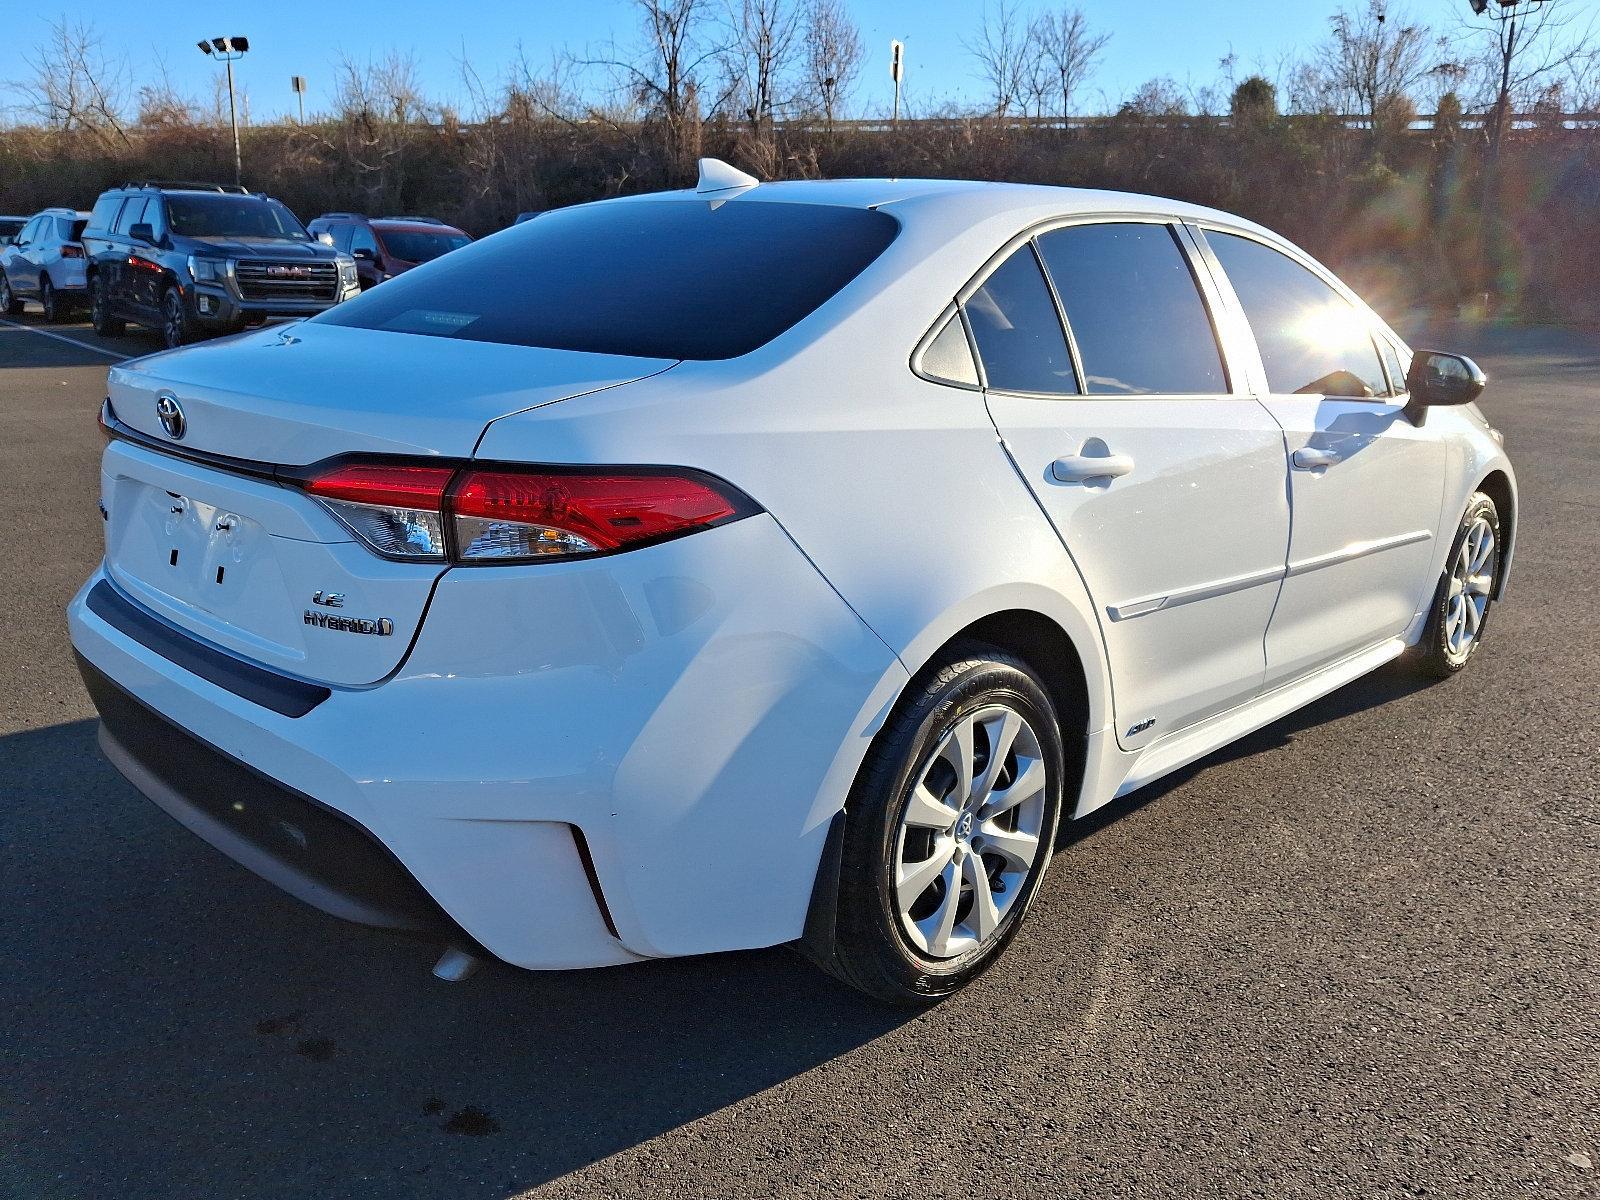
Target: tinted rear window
{"type": "Point", "coordinates": [414, 246]}
{"type": "Point", "coordinates": [656, 279]}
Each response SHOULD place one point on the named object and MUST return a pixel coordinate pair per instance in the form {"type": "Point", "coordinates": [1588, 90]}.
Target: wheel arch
{"type": "Point", "coordinates": [1497, 485]}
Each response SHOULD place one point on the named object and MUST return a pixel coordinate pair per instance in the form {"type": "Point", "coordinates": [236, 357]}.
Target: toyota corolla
{"type": "Point", "coordinates": [766, 564]}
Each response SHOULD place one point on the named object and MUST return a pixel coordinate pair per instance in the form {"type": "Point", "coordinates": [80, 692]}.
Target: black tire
{"type": "Point", "coordinates": [870, 949]}
{"type": "Point", "coordinates": [10, 302]}
{"type": "Point", "coordinates": [100, 311]}
{"type": "Point", "coordinates": [54, 310]}
{"type": "Point", "coordinates": [1438, 657]}
{"type": "Point", "coordinates": [176, 328]}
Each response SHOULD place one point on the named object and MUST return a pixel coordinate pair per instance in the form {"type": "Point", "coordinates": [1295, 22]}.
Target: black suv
{"type": "Point", "coordinates": [187, 258]}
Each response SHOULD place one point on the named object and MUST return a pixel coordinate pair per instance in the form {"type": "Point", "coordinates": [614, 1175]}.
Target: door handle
{"type": "Point", "coordinates": [1309, 458]}
{"type": "Point", "coordinates": [1081, 468]}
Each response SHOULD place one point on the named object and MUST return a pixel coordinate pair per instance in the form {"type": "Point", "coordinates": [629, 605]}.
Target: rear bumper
{"type": "Point", "coordinates": [579, 764]}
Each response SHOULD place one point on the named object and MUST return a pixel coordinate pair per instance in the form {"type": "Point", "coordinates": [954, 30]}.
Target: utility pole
{"type": "Point", "coordinates": [228, 49]}
{"type": "Point", "coordinates": [298, 83]}
{"type": "Point", "coordinates": [896, 69]}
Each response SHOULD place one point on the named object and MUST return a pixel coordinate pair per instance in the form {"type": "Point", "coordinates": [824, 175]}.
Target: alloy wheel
{"type": "Point", "coordinates": [1471, 581]}
{"type": "Point", "coordinates": [47, 298]}
{"type": "Point", "coordinates": [172, 325]}
{"type": "Point", "coordinates": [969, 834]}
{"type": "Point", "coordinates": [6, 298]}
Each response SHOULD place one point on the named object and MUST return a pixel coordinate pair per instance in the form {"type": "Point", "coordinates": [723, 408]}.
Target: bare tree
{"type": "Point", "coordinates": [833, 57]}
{"type": "Point", "coordinates": [1525, 50]}
{"type": "Point", "coordinates": [758, 56]}
{"type": "Point", "coordinates": [1001, 46]}
{"type": "Point", "coordinates": [1372, 62]}
{"type": "Point", "coordinates": [76, 86]}
{"type": "Point", "coordinates": [663, 77]}
{"type": "Point", "coordinates": [1069, 49]}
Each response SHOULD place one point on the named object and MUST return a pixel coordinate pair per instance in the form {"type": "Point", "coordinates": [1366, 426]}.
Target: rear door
{"type": "Point", "coordinates": [23, 269]}
{"type": "Point", "coordinates": [1162, 475]}
{"type": "Point", "coordinates": [1366, 484]}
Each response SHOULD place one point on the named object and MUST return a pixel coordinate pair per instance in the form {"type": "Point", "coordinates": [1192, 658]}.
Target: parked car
{"type": "Point", "coordinates": [10, 227]}
{"type": "Point", "coordinates": [664, 577]}
{"type": "Point", "coordinates": [45, 262]}
{"type": "Point", "coordinates": [384, 247]}
{"type": "Point", "coordinates": [194, 258]}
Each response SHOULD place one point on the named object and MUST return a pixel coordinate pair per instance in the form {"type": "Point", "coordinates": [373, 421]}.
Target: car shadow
{"type": "Point", "coordinates": [1393, 681]}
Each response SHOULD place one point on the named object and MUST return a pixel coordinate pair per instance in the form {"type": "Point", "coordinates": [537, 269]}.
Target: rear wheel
{"type": "Point", "coordinates": [948, 829]}
{"type": "Point", "coordinates": [10, 302]}
{"type": "Point", "coordinates": [176, 329]}
{"type": "Point", "coordinates": [47, 297]}
{"type": "Point", "coordinates": [1461, 604]}
{"type": "Point", "coordinates": [100, 311]}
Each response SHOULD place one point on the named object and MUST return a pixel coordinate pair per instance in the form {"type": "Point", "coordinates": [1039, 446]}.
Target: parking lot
{"type": "Point", "coordinates": [1354, 955]}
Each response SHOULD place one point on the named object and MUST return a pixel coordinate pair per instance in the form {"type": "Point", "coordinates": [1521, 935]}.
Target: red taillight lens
{"type": "Point", "coordinates": [396, 510]}
{"type": "Point", "coordinates": [532, 514]}
{"type": "Point", "coordinates": [72, 252]}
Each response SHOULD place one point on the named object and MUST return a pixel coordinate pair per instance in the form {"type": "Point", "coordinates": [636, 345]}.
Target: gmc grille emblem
{"type": "Point", "coordinates": [284, 271]}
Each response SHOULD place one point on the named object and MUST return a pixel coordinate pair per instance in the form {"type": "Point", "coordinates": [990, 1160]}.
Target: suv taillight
{"type": "Point", "coordinates": [479, 515]}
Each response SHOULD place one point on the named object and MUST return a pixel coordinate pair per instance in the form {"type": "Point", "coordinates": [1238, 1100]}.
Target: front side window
{"type": "Point", "coordinates": [1312, 340]}
{"type": "Point", "coordinates": [1134, 309]}
{"type": "Point", "coordinates": [1018, 332]}
{"type": "Point", "coordinates": [417, 247]}
{"type": "Point", "coordinates": [361, 239]}
{"type": "Point", "coordinates": [30, 231]}
{"type": "Point", "coordinates": [647, 278]}
{"type": "Point", "coordinates": [224, 216]}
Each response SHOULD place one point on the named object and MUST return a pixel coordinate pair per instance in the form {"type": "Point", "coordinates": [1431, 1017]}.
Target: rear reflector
{"type": "Point", "coordinates": [477, 515]}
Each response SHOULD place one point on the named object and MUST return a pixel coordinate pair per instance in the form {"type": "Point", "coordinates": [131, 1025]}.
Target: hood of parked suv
{"type": "Point", "coordinates": [296, 394]}
{"type": "Point", "coordinates": [249, 247]}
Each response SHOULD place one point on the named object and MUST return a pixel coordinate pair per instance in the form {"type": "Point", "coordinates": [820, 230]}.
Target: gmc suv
{"type": "Point", "coordinates": [193, 258]}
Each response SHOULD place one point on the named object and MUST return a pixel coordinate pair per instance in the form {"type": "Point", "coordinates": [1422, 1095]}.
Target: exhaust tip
{"type": "Point", "coordinates": [455, 965]}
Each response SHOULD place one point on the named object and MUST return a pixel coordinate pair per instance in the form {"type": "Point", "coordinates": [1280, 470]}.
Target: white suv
{"type": "Point", "coordinates": [767, 564]}
{"type": "Point", "coordinates": [45, 262]}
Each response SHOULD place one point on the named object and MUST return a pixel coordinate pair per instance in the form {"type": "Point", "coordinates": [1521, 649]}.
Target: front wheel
{"type": "Point", "coordinates": [100, 311]}
{"type": "Point", "coordinates": [10, 302]}
{"type": "Point", "coordinates": [176, 329]}
{"type": "Point", "coordinates": [948, 829]}
{"type": "Point", "coordinates": [1461, 604]}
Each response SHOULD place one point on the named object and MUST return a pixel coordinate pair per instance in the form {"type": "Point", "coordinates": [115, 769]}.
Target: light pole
{"type": "Point", "coordinates": [228, 49]}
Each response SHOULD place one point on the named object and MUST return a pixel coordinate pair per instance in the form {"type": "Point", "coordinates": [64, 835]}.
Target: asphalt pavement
{"type": "Point", "coordinates": [1355, 955]}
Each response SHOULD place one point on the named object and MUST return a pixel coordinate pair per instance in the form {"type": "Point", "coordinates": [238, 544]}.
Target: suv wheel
{"type": "Point", "coordinates": [949, 828]}
{"type": "Point", "coordinates": [176, 329]}
{"type": "Point", "coordinates": [47, 297]}
{"type": "Point", "coordinates": [100, 311]}
{"type": "Point", "coordinates": [10, 302]}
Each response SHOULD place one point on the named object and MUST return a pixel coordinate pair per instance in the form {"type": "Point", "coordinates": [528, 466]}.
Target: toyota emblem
{"type": "Point", "coordinates": [171, 414]}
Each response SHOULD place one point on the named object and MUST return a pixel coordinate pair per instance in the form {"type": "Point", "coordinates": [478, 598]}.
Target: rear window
{"type": "Point", "coordinates": [654, 279]}
{"type": "Point", "coordinates": [69, 229]}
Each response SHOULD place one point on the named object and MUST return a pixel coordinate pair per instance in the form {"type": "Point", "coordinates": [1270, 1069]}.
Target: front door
{"type": "Point", "coordinates": [1164, 480]}
{"type": "Point", "coordinates": [1365, 482]}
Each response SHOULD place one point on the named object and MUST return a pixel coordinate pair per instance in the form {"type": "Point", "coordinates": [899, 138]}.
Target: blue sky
{"type": "Point", "coordinates": [1181, 38]}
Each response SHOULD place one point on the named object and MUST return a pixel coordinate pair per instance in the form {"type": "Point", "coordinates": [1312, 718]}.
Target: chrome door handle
{"type": "Point", "coordinates": [1081, 468]}
{"type": "Point", "coordinates": [1309, 458]}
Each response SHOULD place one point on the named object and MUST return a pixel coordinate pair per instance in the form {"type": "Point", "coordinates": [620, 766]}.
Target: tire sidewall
{"type": "Point", "coordinates": [1479, 505]}
{"type": "Point", "coordinates": [168, 298]}
{"type": "Point", "coordinates": [48, 300]}
{"type": "Point", "coordinates": [874, 823]}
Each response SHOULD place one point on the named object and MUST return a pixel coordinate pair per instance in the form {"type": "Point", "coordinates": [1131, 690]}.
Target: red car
{"type": "Point", "coordinates": [386, 246]}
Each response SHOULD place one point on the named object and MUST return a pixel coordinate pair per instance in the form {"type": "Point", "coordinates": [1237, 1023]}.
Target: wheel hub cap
{"type": "Point", "coordinates": [1471, 581]}
{"type": "Point", "coordinates": [969, 833]}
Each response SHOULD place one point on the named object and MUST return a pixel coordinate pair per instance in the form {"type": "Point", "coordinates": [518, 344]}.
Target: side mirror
{"type": "Point", "coordinates": [142, 232]}
{"type": "Point", "coordinates": [363, 254]}
{"type": "Point", "coordinates": [1438, 379]}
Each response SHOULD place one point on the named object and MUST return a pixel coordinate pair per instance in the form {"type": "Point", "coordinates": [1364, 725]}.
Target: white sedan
{"type": "Point", "coordinates": [767, 564]}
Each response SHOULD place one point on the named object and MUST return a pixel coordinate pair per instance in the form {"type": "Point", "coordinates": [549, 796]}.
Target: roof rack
{"type": "Point", "coordinates": [418, 220]}
{"type": "Point", "coordinates": [187, 185]}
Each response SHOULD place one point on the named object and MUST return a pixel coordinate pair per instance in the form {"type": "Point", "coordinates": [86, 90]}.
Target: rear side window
{"type": "Point", "coordinates": [1312, 340]}
{"type": "Point", "coordinates": [1133, 307]}
{"type": "Point", "coordinates": [651, 278]}
{"type": "Point", "coordinates": [105, 211]}
{"type": "Point", "coordinates": [1018, 332]}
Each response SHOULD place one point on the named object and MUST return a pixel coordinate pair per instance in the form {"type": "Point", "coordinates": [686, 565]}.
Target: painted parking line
{"type": "Point", "coordinates": [61, 337]}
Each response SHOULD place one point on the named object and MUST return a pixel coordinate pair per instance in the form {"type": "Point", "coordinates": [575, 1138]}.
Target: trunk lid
{"type": "Point", "coordinates": [259, 568]}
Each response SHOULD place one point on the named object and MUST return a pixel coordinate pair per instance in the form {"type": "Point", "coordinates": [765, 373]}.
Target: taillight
{"type": "Point", "coordinates": [477, 515]}
{"type": "Point", "coordinates": [71, 251]}
{"type": "Point", "coordinates": [398, 511]}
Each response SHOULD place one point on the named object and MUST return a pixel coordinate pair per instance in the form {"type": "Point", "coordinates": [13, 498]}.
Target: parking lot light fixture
{"type": "Point", "coordinates": [228, 49]}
